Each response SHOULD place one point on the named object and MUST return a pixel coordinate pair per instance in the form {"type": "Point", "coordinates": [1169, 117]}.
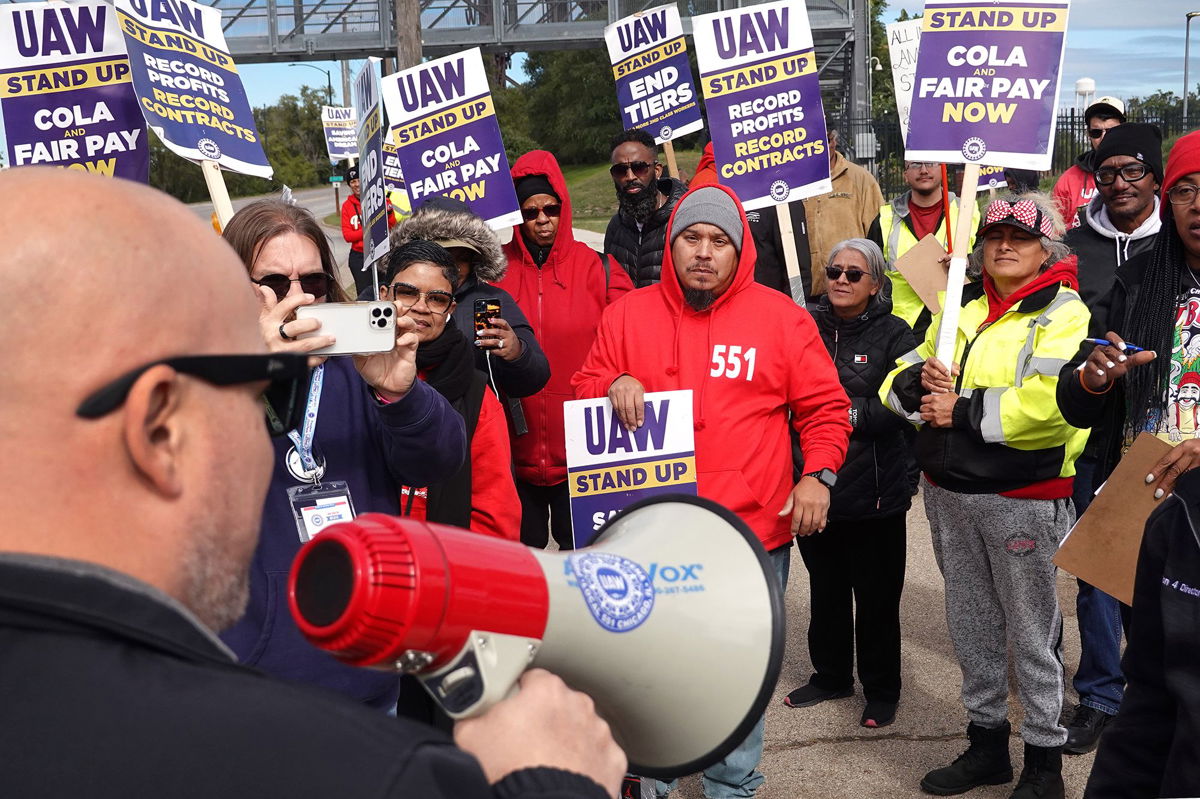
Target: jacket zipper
{"type": "Point", "coordinates": [878, 491]}
{"type": "Point", "coordinates": [545, 468]}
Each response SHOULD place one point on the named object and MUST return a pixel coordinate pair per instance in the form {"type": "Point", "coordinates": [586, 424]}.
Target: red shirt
{"type": "Point", "coordinates": [925, 220]}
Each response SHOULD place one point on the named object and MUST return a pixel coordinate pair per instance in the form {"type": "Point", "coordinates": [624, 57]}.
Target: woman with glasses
{"type": "Point", "coordinates": [369, 427]}
{"type": "Point", "coordinates": [856, 564]}
{"type": "Point", "coordinates": [563, 286]}
{"type": "Point", "coordinates": [421, 278]}
{"type": "Point", "coordinates": [999, 462]}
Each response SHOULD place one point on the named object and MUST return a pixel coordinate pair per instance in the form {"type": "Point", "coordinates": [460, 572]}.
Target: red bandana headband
{"type": "Point", "coordinates": [1023, 213]}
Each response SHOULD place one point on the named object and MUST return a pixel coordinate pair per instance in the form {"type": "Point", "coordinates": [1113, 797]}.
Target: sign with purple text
{"type": "Point", "coordinates": [368, 107]}
{"type": "Point", "coordinates": [655, 88]}
{"type": "Point", "coordinates": [609, 467]}
{"type": "Point", "coordinates": [448, 140]}
{"type": "Point", "coordinates": [65, 90]}
{"type": "Point", "coordinates": [987, 80]}
{"type": "Point", "coordinates": [904, 40]}
{"type": "Point", "coordinates": [992, 177]}
{"type": "Point", "coordinates": [393, 180]}
{"type": "Point", "coordinates": [340, 126]}
{"type": "Point", "coordinates": [187, 85]}
{"type": "Point", "coordinates": [763, 96]}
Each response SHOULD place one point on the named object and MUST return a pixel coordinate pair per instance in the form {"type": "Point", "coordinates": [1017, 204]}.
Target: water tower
{"type": "Point", "coordinates": [1085, 93]}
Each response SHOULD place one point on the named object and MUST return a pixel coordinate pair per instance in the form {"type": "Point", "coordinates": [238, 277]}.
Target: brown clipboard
{"type": "Point", "coordinates": [921, 269]}
{"type": "Point", "coordinates": [1102, 548]}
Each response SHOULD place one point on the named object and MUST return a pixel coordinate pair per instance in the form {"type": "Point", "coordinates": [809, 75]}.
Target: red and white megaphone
{"type": "Point", "coordinates": [672, 621]}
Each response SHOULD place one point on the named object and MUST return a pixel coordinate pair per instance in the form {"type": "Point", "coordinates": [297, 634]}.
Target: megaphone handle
{"type": "Point", "coordinates": [485, 672]}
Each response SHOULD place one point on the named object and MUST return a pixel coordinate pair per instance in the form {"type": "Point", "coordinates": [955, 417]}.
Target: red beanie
{"type": "Point", "coordinates": [1184, 159]}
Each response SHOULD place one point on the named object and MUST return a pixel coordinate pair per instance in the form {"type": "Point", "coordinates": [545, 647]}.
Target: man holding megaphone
{"type": "Point", "coordinates": [755, 364]}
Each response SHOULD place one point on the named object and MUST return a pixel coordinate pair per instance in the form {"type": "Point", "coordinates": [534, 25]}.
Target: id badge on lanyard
{"type": "Point", "coordinates": [317, 504]}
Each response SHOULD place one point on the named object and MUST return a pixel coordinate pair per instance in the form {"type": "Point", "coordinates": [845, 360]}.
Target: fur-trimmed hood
{"type": "Point", "coordinates": [434, 224]}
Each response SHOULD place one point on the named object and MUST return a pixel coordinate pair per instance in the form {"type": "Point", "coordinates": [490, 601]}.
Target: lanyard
{"type": "Point", "coordinates": [304, 438]}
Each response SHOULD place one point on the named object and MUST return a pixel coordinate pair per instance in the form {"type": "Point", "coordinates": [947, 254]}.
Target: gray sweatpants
{"type": "Point", "coordinates": [995, 555]}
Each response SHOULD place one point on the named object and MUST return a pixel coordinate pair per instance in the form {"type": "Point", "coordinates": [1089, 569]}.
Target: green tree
{"type": "Point", "coordinates": [883, 92]}
{"type": "Point", "coordinates": [572, 103]}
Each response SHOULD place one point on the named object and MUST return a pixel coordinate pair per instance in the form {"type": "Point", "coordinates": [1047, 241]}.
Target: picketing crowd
{"type": "Point", "coordinates": [174, 519]}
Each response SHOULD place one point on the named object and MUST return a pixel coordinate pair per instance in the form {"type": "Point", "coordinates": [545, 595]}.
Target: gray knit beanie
{"type": "Point", "coordinates": [708, 205]}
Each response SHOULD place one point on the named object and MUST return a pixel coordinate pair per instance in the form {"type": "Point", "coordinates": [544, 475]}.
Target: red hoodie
{"type": "Point", "coordinates": [563, 300]}
{"type": "Point", "coordinates": [750, 359]}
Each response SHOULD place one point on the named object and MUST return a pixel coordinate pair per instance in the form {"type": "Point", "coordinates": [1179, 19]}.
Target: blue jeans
{"type": "Point", "coordinates": [1098, 681]}
{"type": "Point", "coordinates": [738, 775]}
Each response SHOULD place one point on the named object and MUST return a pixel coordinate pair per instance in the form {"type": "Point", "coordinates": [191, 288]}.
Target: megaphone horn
{"type": "Point", "coordinates": [672, 621]}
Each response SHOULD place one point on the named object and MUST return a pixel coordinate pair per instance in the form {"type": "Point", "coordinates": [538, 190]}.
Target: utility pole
{"type": "Point", "coordinates": [408, 33]}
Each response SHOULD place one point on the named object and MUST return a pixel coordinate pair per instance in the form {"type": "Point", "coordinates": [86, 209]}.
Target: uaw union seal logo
{"type": "Point", "coordinates": [209, 149]}
{"type": "Point", "coordinates": [974, 148]}
{"type": "Point", "coordinates": [780, 191]}
{"type": "Point", "coordinates": [664, 133]}
{"type": "Point", "coordinates": [617, 591]}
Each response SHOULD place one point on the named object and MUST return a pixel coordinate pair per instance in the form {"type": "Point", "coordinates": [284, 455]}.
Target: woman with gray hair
{"type": "Point", "coordinates": [1000, 462]}
{"type": "Point", "coordinates": [856, 564]}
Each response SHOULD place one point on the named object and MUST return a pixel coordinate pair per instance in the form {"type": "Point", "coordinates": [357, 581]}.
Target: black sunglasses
{"type": "Point", "coordinates": [316, 284]}
{"type": "Point", "coordinates": [1132, 173]}
{"type": "Point", "coordinates": [530, 214]}
{"type": "Point", "coordinates": [1096, 133]}
{"type": "Point", "coordinates": [853, 275]}
{"type": "Point", "coordinates": [639, 168]}
{"type": "Point", "coordinates": [285, 397]}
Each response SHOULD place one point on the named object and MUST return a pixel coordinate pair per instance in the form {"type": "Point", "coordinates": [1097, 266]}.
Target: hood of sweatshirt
{"type": "Point", "coordinates": [743, 277]}
{"type": "Point", "coordinates": [540, 162]}
{"type": "Point", "coordinates": [430, 223]}
{"type": "Point", "coordinates": [1098, 220]}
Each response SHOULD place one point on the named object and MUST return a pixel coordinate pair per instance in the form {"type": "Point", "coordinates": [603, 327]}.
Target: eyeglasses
{"type": "Point", "coordinates": [1182, 194]}
{"type": "Point", "coordinates": [409, 295]}
{"type": "Point", "coordinates": [1132, 173]}
{"type": "Point", "coordinates": [1096, 133]}
{"type": "Point", "coordinates": [639, 168]}
{"type": "Point", "coordinates": [530, 214]}
{"type": "Point", "coordinates": [316, 284]}
{"type": "Point", "coordinates": [285, 397]}
{"type": "Point", "coordinates": [930, 165]}
{"type": "Point", "coordinates": [853, 275]}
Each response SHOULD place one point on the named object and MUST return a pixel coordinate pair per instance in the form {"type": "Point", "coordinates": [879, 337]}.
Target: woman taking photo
{"type": "Point", "coordinates": [856, 564]}
{"type": "Point", "coordinates": [999, 461]}
{"type": "Point", "coordinates": [370, 427]}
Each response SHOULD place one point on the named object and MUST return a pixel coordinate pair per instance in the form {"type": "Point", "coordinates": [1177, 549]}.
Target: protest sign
{"type": "Point", "coordinates": [655, 88]}
{"type": "Point", "coordinates": [609, 467]}
{"type": "Point", "coordinates": [987, 83]}
{"type": "Point", "coordinates": [763, 97]}
{"type": "Point", "coordinates": [904, 38]}
{"type": "Point", "coordinates": [187, 85]}
{"type": "Point", "coordinates": [65, 90]}
{"type": "Point", "coordinates": [393, 180]}
{"type": "Point", "coordinates": [449, 142]}
{"type": "Point", "coordinates": [340, 126]}
{"type": "Point", "coordinates": [368, 107]}
{"type": "Point", "coordinates": [992, 177]}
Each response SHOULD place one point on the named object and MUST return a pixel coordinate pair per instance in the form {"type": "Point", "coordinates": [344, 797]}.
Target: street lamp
{"type": "Point", "coordinates": [1187, 43]}
{"type": "Point", "coordinates": [329, 79]}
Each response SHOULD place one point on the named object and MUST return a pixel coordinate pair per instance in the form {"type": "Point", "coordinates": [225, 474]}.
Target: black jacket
{"type": "Point", "coordinates": [1152, 747]}
{"type": "Point", "coordinates": [641, 252]}
{"type": "Point", "coordinates": [771, 267]}
{"type": "Point", "coordinates": [1101, 250]}
{"type": "Point", "coordinates": [872, 481]}
{"type": "Point", "coordinates": [110, 689]}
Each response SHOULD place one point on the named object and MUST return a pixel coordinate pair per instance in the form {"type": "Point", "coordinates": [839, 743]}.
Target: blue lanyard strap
{"type": "Point", "coordinates": [304, 438]}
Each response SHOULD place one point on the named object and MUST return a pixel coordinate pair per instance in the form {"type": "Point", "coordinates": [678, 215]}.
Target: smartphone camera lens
{"type": "Point", "coordinates": [387, 311]}
{"type": "Point", "coordinates": [376, 312]}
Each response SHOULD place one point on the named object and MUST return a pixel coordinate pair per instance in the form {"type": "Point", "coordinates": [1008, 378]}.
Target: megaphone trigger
{"type": "Point", "coordinates": [675, 600]}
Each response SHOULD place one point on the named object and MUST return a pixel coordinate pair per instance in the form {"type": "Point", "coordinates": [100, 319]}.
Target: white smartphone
{"type": "Point", "coordinates": [358, 328]}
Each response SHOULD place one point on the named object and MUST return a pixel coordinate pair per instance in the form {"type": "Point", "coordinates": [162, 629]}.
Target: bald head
{"type": "Point", "coordinates": [128, 277]}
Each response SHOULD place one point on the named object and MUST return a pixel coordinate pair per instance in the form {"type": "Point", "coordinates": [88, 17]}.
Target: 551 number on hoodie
{"type": "Point", "coordinates": [732, 362]}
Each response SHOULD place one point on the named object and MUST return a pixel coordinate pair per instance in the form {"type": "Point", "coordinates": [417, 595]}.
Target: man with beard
{"type": "Point", "coordinates": [1120, 223]}
{"type": "Point", "coordinates": [755, 364]}
{"type": "Point", "coordinates": [136, 466]}
{"type": "Point", "coordinates": [636, 234]}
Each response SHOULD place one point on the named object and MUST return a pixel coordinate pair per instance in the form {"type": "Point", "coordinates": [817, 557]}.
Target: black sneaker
{"type": "Point", "coordinates": [878, 714]}
{"type": "Point", "coordinates": [1083, 733]}
{"type": "Point", "coordinates": [809, 695]}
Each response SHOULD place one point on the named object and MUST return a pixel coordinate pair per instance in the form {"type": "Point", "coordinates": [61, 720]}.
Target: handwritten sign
{"type": "Point", "coordinates": [340, 125]}
{"type": "Point", "coordinates": [655, 88]}
{"type": "Point", "coordinates": [763, 96]}
{"type": "Point", "coordinates": [368, 106]}
{"type": "Point", "coordinates": [187, 85]}
{"type": "Point", "coordinates": [609, 467]}
{"type": "Point", "coordinates": [448, 140]}
{"type": "Point", "coordinates": [904, 39]}
{"type": "Point", "coordinates": [987, 83]}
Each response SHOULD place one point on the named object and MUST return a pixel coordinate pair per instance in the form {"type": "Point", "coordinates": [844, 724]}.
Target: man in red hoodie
{"type": "Point", "coordinates": [755, 364]}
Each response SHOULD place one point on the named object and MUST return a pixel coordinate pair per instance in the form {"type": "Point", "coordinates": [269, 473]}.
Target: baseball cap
{"type": "Point", "coordinates": [1106, 105]}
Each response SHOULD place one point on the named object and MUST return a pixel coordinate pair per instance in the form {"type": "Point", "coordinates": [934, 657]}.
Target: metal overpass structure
{"type": "Point", "coordinates": [328, 30]}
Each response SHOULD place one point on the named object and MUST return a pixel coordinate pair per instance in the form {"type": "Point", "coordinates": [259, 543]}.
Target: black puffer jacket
{"type": "Point", "coordinates": [873, 480]}
{"type": "Point", "coordinates": [641, 252]}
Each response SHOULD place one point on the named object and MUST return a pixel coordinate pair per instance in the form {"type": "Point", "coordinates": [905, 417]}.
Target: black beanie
{"type": "Point", "coordinates": [534, 184]}
{"type": "Point", "coordinates": [1139, 140]}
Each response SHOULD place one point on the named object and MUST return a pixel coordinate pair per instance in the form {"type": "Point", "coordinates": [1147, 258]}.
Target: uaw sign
{"type": "Point", "coordinates": [65, 90]}
{"type": "Point", "coordinates": [987, 81]}
{"type": "Point", "coordinates": [187, 85]}
{"type": "Point", "coordinates": [368, 106]}
{"type": "Point", "coordinates": [444, 123]}
{"type": "Point", "coordinates": [655, 88]}
{"type": "Point", "coordinates": [609, 467]}
{"type": "Point", "coordinates": [763, 96]}
{"type": "Point", "coordinates": [339, 125]}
